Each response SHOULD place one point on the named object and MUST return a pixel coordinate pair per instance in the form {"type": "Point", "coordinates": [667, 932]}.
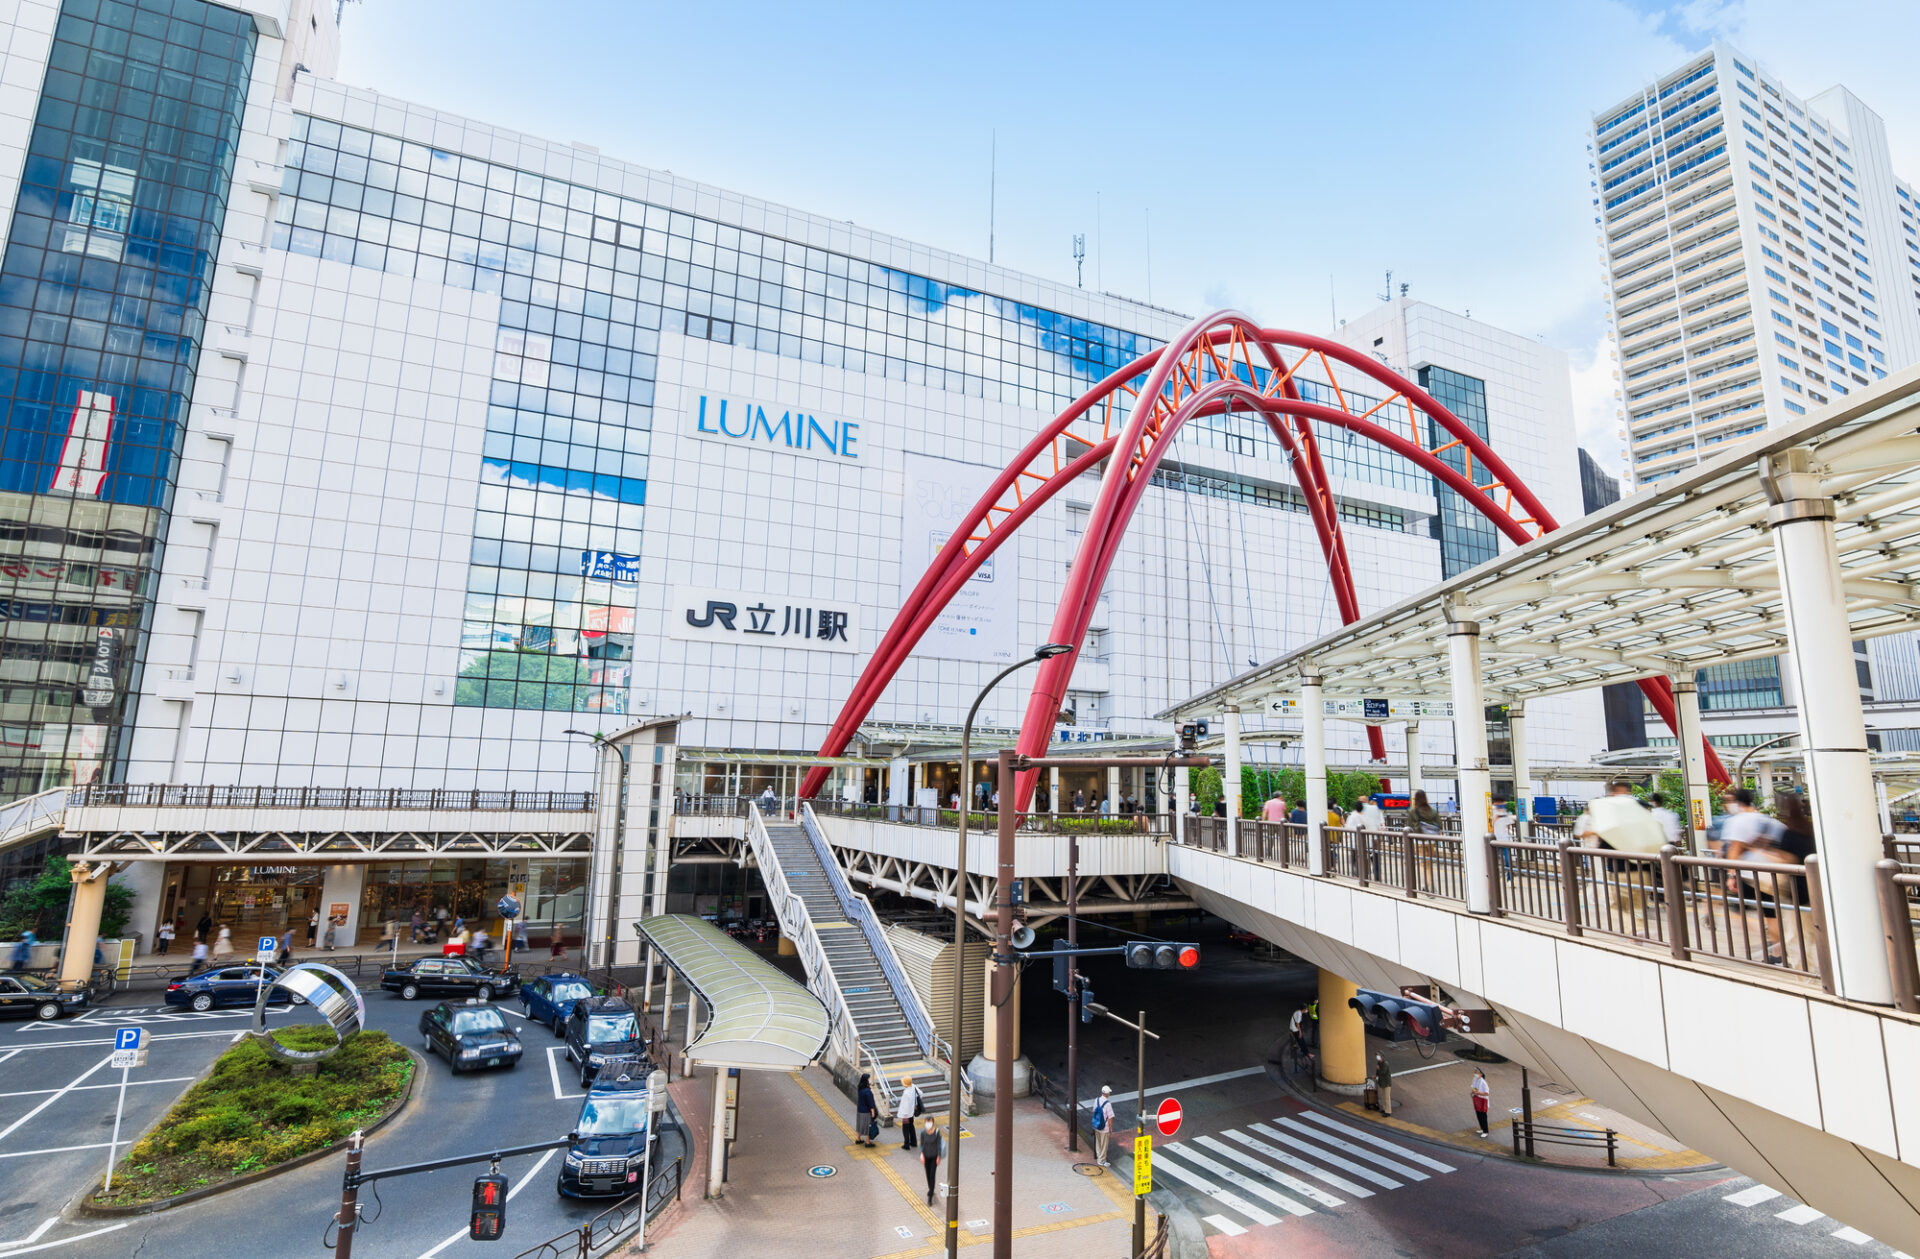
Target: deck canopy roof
{"type": "Point", "coordinates": [1666, 581]}
{"type": "Point", "coordinates": [759, 1018]}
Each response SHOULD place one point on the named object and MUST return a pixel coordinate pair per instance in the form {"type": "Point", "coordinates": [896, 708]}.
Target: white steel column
{"type": "Point", "coordinates": [1232, 784]}
{"type": "Point", "coordinates": [1522, 769]}
{"type": "Point", "coordinates": [1880, 802]}
{"type": "Point", "coordinates": [1113, 789]}
{"type": "Point", "coordinates": [1182, 793]}
{"type": "Point", "coordinates": [1470, 755]}
{"type": "Point", "coordinates": [1832, 727]}
{"type": "Point", "coordinates": [1693, 759]}
{"type": "Point", "coordinates": [1313, 748]}
{"type": "Point", "coordinates": [1765, 779]}
{"type": "Point", "coordinates": [1414, 781]}
{"type": "Point", "coordinates": [1053, 790]}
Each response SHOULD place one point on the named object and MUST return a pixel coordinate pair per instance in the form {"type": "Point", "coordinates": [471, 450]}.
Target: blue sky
{"type": "Point", "coordinates": [1286, 155]}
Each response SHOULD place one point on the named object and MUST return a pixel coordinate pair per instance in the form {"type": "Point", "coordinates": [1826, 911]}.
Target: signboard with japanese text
{"type": "Point", "coordinates": [99, 690]}
{"type": "Point", "coordinates": [1142, 1165]}
{"type": "Point", "coordinates": [982, 620]}
{"type": "Point", "coordinates": [749, 619]}
{"type": "Point", "coordinates": [609, 566]}
{"type": "Point", "coordinates": [1370, 709]}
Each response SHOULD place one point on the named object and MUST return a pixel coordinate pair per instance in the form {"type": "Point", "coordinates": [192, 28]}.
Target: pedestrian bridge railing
{"type": "Point", "coordinates": [986, 822]}
{"type": "Point", "coordinates": [188, 796]}
{"type": "Point", "coordinates": [1755, 914]}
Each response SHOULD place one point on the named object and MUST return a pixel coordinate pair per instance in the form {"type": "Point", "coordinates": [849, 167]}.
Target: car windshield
{"type": "Point", "coordinates": [610, 1115]}
{"type": "Point", "coordinates": [571, 992]}
{"type": "Point", "coordinates": [617, 1028]}
{"type": "Point", "coordinates": [478, 1021]}
{"type": "Point", "coordinates": [33, 983]}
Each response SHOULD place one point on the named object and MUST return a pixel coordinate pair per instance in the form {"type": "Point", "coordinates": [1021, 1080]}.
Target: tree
{"type": "Point", "coordinates": [520, 679]}
{"type": "Point", "coordinates": [1207, 787]}
{"type": "Point", "coordinates": [40, 906]}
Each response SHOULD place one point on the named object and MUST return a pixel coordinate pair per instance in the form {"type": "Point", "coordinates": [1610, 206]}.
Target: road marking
{"type": "Point", "coordinates": [1799, 1214]}
{"type": "Point", "coordinates": [1399, 1151]}
{"type": "Point", "coordinates": [553, 1070]}
{"type": "Point", "coordinates": [1753, 1195]}
{"type": "Point", "coordinates": [1294, 1183]}
{"type": "Point", "coordinates": [1301, 1165]}
{"type": "Point", "coordinates": [35, 1235]}
{"type": "Point", "coordinates": [64, 1241]}
{"type": "Point", "coordinates": [1222, 1196]}
{"type": "Point", "coordinates": [59, 1149]}
{"type": "Point", "coordinates": [172, 1079]}
{"type": "Point", "coordinates": [1196, 1082]}
{"type": "Point", "coordinates": [81, 1044]}
{"type": "Point", "coordinates": [1345, 1165]}
{"type": "Point", "coordinates": [1435, 1067]}
{"type": "Point", "coordinates": [10, 1053]}
{"type": "Point", "coordinates": [526, 1178]}
{"type": "Point", "coordinates": [12, 1127]}
{"type": "Point", "coordinates": [1853, 1235]}
{"type": "Point", "coordinates": [1234, 1178]}
{"type": "Point", "coordinates": [1224, 1224]}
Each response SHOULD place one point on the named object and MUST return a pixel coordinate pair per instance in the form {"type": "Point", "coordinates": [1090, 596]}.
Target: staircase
{"type": "Point", "coordinates": [890, 1047]}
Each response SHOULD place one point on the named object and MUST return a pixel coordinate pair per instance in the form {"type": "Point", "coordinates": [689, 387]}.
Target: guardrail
{"type": "Point", "coordinates": [1899, 887]}
{"type": "Point", "coordinates": [989, 820]}
{"type": "Point", "coordinates": [599, 1234]}
{"type": "Point", "coordinates": [710, 806]}
{"type": "Point", "coordinates": [1527, 1132]}
{"type": "Point", "coordinates": [798, 926]}
{"type": "Point", "coordinates": [173, 795]}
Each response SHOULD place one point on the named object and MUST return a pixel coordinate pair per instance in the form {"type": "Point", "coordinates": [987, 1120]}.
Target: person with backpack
{"type": "Point", "coordinates": [1103, 1125]}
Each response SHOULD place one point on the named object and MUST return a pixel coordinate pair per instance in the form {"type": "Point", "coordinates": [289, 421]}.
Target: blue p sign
{"type": "Point", "coordinates": [269, 945]}
{"type": "Point", "coordinates": [128, 1037]}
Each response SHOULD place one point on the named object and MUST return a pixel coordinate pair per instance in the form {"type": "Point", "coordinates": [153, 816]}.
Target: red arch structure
{"type": "Point", "coordinates": [1128, 421]}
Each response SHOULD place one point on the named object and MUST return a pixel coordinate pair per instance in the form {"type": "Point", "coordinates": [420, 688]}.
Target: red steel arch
{"type": "Point", "coordinates": [1215, 362]}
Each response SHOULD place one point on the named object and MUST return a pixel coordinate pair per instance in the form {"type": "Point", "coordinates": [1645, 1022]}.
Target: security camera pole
{"type": "Point", "coordinates": [1005, 969]}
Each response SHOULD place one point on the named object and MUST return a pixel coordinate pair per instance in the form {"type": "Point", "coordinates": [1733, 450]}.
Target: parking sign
{"type": "Point", "coordinates": [268, 950]}
{"type": "Point", "coordinates": [129, 1038]}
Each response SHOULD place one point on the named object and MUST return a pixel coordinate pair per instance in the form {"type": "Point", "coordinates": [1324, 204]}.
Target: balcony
{"type": "Point", "coordinates": [190, 592]}
{"type": "Point", "coordinates": [263, 177]}
{"type": "Point", "coordinates": [232, 342]}
{"type": "Point", "coordinates": [175, 683]}
{"type": "Point", "coordinates": [246, 257]}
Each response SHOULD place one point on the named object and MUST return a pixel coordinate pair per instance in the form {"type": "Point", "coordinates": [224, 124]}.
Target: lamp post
{"type": "Point", "coordinates": [619, 844]}
{"type": "Point", "coordinates": [1046, 652]}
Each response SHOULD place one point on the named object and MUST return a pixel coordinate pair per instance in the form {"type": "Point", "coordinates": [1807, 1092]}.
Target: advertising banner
{"type": "Point", "coordinates": [983, 620]}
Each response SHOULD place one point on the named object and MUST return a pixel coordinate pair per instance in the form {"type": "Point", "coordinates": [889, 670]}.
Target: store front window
{"type": "Point", "coordinates": [555, 893]}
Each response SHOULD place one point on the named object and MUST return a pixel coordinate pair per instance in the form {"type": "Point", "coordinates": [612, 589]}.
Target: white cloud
{"type": "Point", "coordinates": [1596, 412]}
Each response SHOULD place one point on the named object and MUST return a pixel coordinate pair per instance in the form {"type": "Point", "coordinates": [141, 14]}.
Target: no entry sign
{"type": "Point", "coordinates": [1168, 1117]}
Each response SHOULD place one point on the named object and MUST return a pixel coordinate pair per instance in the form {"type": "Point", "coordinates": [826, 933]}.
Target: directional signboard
{"type": "Point", "coordinates": [1168, 1117]}
{"type": "Point", "coordinates": [1372, 709]}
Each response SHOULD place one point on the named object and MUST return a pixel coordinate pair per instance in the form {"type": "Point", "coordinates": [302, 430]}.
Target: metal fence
{"type": "Point", "coordinates": [169, 795]}
{"type": "Point", "coordinates": [710, 806]}
{"type": "Point", "coordinates": [604, 1231]}
{"type": "Point", "coordinates": [988, 821]}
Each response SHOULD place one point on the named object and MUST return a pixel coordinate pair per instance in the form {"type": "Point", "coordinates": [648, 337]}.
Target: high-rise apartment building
{"type": "Point", "coordinates": [1760, 255]}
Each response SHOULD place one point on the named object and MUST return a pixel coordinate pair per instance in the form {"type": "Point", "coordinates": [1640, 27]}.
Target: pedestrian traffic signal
{"type": "Point", "coordinates": [489, 1208]}
{"type": "Point", "coordinates": [1163, 956]}
{"type": "Point", "coordinates": [1393, 1011]}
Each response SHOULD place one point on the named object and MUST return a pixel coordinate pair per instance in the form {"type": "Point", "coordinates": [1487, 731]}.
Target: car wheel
{"type": "Point", "coordinates": [484, 992]}
{"type": "Point", "coordinates": [559, 1028]}
{"type": "Point", "coordinates": [47, 1011]}
{"type": "Point", "coordinates": [202, 1001]}
{"type": "Point", "coordinates": [294, 998]}
{"type": "Point", "coordinates": [409, 992]}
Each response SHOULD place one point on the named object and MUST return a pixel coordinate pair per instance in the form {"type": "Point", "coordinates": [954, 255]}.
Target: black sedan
{"type": "Point", "coordinates": [607, 1148]}
{"type": "Point", "coordinates": [448, 977]}
{"type": "Point", "coordinates": [603, 1030]}
{"type": "Point", "coordinates": [31, 997]}
{"type": "Point", "coordinates": [229, 985]}
{"type": "Point", "coordinates": [470, 1036]}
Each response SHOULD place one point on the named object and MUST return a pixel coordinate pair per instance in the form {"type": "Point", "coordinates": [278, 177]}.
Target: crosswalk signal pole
{"type": "Point", "coordinates": [1140, 1130]}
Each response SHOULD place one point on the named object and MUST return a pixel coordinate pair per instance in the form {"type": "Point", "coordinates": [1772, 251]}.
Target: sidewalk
{"type": "Point", "coordinates": [780, 1196]}
{"type": "Point", "coordinates": [1432, 1100]}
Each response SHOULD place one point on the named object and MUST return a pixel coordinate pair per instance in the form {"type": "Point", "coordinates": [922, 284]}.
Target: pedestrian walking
{"type": "Point", "coordinates": [1383, 1082]}
{"type": "Point", "coordinates": [866, 1124]}
{"type": "Point", "coordinates": [557, 951]}
{"type": "Point", "coordinates": [910, 1103]}
{"type": "Point", "coordinates": [222, 942]}
{"type": "Point", "coordinates": [201, 928]}
{"type": "Point", "coordinates": [327, 936]}
{"type": "Point", "coordinates": [1275, 809]}
{"type": "Point", "coordinates": [1482, 1099]}
{"type": "Point", "coordinates": [166, 937]}
{"type": "Point", "coordinates": [285, 956]}
{"type": "Point", "coordinates": [199, 957]}
{"type": "Point", "coordinates": [419, 921]}
{"type": "Point", "coordinates": [1422, 816]}
{"type": "Point", "coordinates": [1079, 801]}
{"type": "Point", "coordinates": [313, 929]}
{"type": "Point", "coordinates": [1103, 1125]}
{"type": "Point", "coordinates": [23, 951]}
{"type": "Point", "coordinates": [1669, 821]}
{"type": "Point", "coordinates": [931, 1148]}
{"type": "Point", "coordinates": [479, 945]}
{"type": "Point", "coordinates": [1297, 1028]}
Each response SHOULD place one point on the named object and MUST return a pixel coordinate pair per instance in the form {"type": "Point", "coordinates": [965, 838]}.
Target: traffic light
{"type": "Point", "coordinates": [1395, 1011]}
{"type": "Point", "coordinates": [489, 1208]}
{"type": "Point", "coordinates": [1163, 956]}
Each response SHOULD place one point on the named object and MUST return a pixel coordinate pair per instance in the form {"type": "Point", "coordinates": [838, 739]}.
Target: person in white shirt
{"type": "Point", "coordinates": [1618, 821]}
{"type": "Point", "coordinates": [1668, 819]}
{"type": "Point", "coordinates": [1368, 816]}
{"type": "Point", "coordinates": [909, 1110]}
{"type": "Point", "coordinates": [1103, 1124]}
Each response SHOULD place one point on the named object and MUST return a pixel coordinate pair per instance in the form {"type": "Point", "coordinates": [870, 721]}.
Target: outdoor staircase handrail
{"type": "Point", "coordinates": [27, 817]}
{"type": "Point", "coordinates": [798, 925]}
{"type": "Point", "coordinates": [859, 909]}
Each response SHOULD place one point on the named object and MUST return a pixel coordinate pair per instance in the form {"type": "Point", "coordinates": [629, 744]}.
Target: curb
{"type": "Point", "coordinates": [86, 1208]}
{"type": "Point", "coordinates": [1491, 1149]}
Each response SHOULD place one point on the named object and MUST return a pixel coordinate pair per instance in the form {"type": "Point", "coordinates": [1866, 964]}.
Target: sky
{"type": "Point", "coordinates": [1277, 158]}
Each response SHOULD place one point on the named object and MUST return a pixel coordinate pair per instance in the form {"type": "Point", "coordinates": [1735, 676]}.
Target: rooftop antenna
{"type": "Point", "coordinates": [993, 187]}
{"type": "Point", "coordinates": [1403, 288]}
{"type": "Point", "coordinates": [1388, 295]}
{"type": "Point", "coordinates": [1079, 259]}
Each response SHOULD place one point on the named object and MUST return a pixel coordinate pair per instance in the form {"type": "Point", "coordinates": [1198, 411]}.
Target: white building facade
{"type": "Point", "coordinates": [470, 440]}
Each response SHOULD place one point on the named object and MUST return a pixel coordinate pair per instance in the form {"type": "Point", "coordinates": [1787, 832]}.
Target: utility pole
{"type": "Point", "coordinates": [349, 1217]}
{"type": "Point", "coordinates": [1073, 995]}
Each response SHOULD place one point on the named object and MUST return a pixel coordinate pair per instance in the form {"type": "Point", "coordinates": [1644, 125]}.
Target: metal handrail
{"type": "Point", "coordinates": [202, 796]}
{"type": "Point", "coordinates": [32, 815]}
{"type": "Point", "coordinates": [797, 923]}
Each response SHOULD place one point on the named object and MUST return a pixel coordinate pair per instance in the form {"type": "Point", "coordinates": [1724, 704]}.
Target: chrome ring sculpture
{"type": "Point", "coordinates": [327, 991]}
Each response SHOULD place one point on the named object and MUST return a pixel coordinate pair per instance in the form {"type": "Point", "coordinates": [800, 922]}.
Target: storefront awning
{"type": "Point", "coordinates": [759, 1018]}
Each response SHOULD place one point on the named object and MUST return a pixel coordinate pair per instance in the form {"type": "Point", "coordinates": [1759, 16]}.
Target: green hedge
{"type": "Point", "coordinates": [252, 1113]}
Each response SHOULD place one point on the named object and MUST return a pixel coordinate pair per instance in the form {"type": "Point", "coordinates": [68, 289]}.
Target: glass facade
{"type": "Point", "coordinates": [1466, 537]}
{"type": "Point", "coordinates": [1743, 684]}
{"type": "Point", "coordinates": [103, 302]}
{"type": "Point", "coordinates": [588, 283]}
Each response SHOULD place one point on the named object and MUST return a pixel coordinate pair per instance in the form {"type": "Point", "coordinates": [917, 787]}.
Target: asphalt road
{"type": "Point", "coordinates": [57, 1099]}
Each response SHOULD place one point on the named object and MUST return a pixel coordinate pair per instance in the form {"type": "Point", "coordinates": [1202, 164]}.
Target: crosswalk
{"type": "Point", "coordinates": [1291, 1167]}
{"type": "Point", "coordinates": [1796, 1213]}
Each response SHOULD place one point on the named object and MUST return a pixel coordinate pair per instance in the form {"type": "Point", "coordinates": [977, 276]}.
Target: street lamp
{"type": "Point", "coordinates": [1047, 652]}
{"type": "Point", "coordinates": [619, 841]}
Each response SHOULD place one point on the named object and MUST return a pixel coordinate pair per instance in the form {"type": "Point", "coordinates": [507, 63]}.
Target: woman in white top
{"type": "Point", "coordinates": [1482, 1098]}
{"type": "Point", "coordinates": [223, 942]}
